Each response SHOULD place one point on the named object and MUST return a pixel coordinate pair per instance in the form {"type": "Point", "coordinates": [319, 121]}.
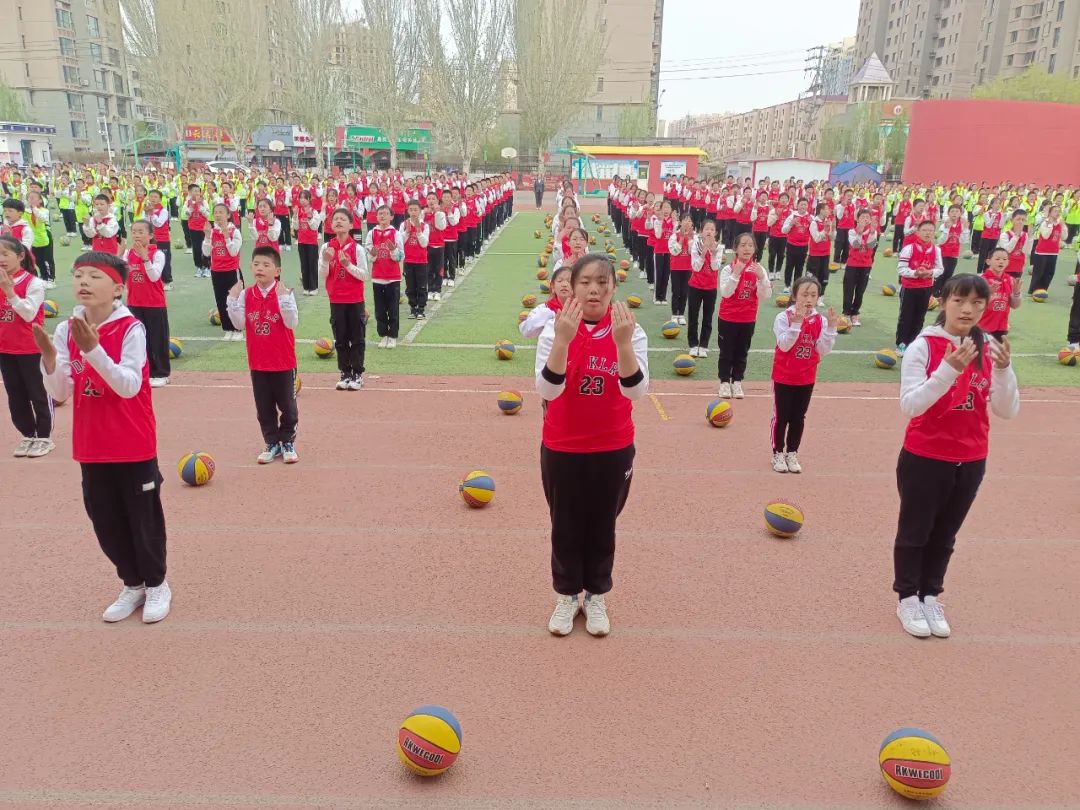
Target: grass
{"type": "Point", "coordinates": [485, 306]}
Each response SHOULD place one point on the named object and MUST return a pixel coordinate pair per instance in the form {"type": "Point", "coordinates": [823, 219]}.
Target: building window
{"type": "Point", "coordinates": [125, 134]}
{"type": "Point", "coordinates": [121, 108]}
{"type": "Point", "coordinates": [1050, 65]}
{"type": "Point", "coordinates": [99, 79]}
{"type": "Point", "coordinates": [1009, 60]}
{"type": "Point", "coordinates": [600, 84]}
{"type": "Point", "coordinates": [26, 67]}
{"type": "Point", "coordinates": [599, 112]}
{"type": "Point", "coordinates": [71, 74]}
{"type": "Point", "coordinates": [114, 56]}
{"type": "Point", "coordinates": [75, 102]}
{"type": "Point", "coordinates": [1061, 10]}
{"type": "Point", "coordinates": [1057, 37]}
{"type": "Point", "coordinates": [78, 129]}
{"type": "Point", "coordinates": [1076, 72]}
{"type": "Point", "coordinates": [103, 105]}
{"type": "Point", "coordinates": [64, 20]}
{"type": "Point", "coordinates": [92, 27]}
{"type": "Point", "coordinates": [1016, 13]}
{"type": "Point", "coordinates": [118, 83]}
{"type": "Point", "coordinates": [67, 48]}
{"type": "Point", "coordinates": [95, 52]}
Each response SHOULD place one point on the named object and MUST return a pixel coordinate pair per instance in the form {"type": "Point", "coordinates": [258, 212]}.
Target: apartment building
{"type": "Point", "coordinates": [1022, 33]}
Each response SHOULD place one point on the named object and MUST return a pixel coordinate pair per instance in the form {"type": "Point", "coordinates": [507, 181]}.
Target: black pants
{"type": "Point", "coordinates": [777, 248]}
{"type": "Point", "coordinates": [796, 258]}
{"type": "Point", "coordinates": [166, 248]}
{"type": "Point", "coordinates": [29, 404]}
{"type": "Point", "coordinates": [913, 304]}
{"type": "Point", "coordinates": [585, 492]}
{"type": "Point", "coordinates": [540, 200]}
{"type": "Point", "coordinates": [387, 297]}
{"type": "Point", "coordinates": [416, 286]}
{"type": "Point", "coordinates": [82, 234]}
{"type": "Point", "coordinates": [275, 405]}
{"type": "Point", "coordinates": [450, 258]}
{"type": "Point", "coordinates": [395, 219]}
{"type": "Point", "coordinates": [46, 264]}
{"type": "Point", "coordinates": [818, 267]}
{"type": "Point", "coordinates": [1071, 231]}
{"type": "Point", "coordinates": [286, 229]}
{"type": "Point", "coordinates": [69, 220]}
{"type": "Point", "coordinates": [222, 282]}
{"type": "Point", "coordinates": [705, 301]}
{"type": "Point", "coordinates": [435, 256]}
{"type": "Point", "coordinates": [985, 246]}
{"type": "Point", "coordinates": [348, 322]}
{"type": "Point", "coordinates": [790, 404]}
{"type": "Point", "coordinates": [897, 237]}
{"type": "Point", "coordinates": [1042, 273]}
{"type": "Point", "coordinates": [840, 246]}
{"type": "Point", "coordinates": [123, 501]}
{"type": "Point", "coordinates": [760, 238]}
{"type": "Point", "coordinates": [1074, 316]}
{"type": "Point", "coordinates": [309, 265]}
{"type": "Point", "coordinates": [976, 242]}
{"type": "Point", "coordinates": [935, 497]}
{"type": "Point", "coordinates": [727, 231]}
{"type": "Point", "coordinates": [201, 262]}
{"type": "Point", "coordinates": [949, 265]}
{"type": "Point", "coordinates": [661, 274]}
{"type": "Point", "coordinates": [680, 284]}
{"type": "Point", "coordinates": [855, 281]}
{"type": "Point", "coordinates": [697, 216]}
{"type": "Point", "coordinates": [188, 240]}
{"type": "Point", "coordinates": [733, 341]}
{"type": "Point", "coordinates": [156, 322]}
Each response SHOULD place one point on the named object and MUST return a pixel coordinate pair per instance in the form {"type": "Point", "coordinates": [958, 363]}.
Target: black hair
{"type": "Point", "coordinates": [962, 285]}
{"type": "Point", "coordinates": [102, 258]}
{"type": "Point", "coordinates": [819, 208]}
{"type": "Point", "coordinates": [344, 211]}
{"type": "Point", "coordinates": [193, 186]}
{"type": "Point", "coordinates": [801, 282]}
{"type": "Point", "coordinates": [586, 260]}
{"type": "Point", "coordinates": [267, 252]}
{"type": "Point", "coordinates": [1018, 212]}
{"type": "Point", "coordinates": [562, 268]}
{"type": "Point", "coordinates": [145, 222]}
{"type": "Point", "coordinates": [582, 231]}
{"type": "Point", "coordinates": [19, 249]}
{"type": "Point", "coordinates": [16, 205]}
{"type": "Point", "coordinates": [740, 237]}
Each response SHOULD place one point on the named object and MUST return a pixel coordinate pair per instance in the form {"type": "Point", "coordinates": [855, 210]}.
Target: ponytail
{"type": "Point", "coordinates": [26, 260]}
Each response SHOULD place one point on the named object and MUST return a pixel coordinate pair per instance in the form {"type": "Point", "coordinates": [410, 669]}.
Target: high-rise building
{"type": "Point", "coordinates": [66, 60]}
{"type": "Point", "coordinates": [837, 66]}
{"type": "Point", "coordinates": [1030, 32]}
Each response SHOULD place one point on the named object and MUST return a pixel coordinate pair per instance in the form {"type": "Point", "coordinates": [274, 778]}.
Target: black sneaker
{"type": "Point", "coordinates": [412, 316]}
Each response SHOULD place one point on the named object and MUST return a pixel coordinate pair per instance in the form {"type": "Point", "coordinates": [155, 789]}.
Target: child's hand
{"type": "Point", "coordinates": [328, 252]}
{"type": "Point", "coordinates": [46, 347]}
{"type": "Point", "coordinates": [1000, 351]}
{"type": "Point", "coordinates": [235, 290]}
{"type": "Point", "coordinates": [84, 334]}
{"type": "Point", "coordinates": [282, 290]}
{"type": "Point", "coordinates": [7, 286]}
{"type": "Point", "coordinates": [567, 321]}
{"type": "Point", "coordinates": [831, 318]}
{"type": "Point", "coordinates": [960, 358]}
{"type": "Point", "coordinates": [622, 324]}
{"type": "Point", "coordinates": [207, 228]}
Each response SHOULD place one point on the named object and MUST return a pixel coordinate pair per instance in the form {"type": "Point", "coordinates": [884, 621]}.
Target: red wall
{"type": "Point", "coordinates": [993, 141]}
{"type": "Point", "coordinates": [655, 183]}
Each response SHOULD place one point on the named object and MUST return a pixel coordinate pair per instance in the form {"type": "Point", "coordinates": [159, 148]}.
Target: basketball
{"type": "Point", "coordinates": [624, 264]}
{"type": "Point", "coordinates": [537, 234]}
{"type": "Point", "coordinates": [541, 261]}
{"type": "Point", "coordinates": [885, 358]}
{"type": "Point", "coordinates": [684, 365]}
{"type": "Point", "coordinates": [1068, 357]}
{"type": "Point", "coordinates": [932, 304]}
{"type": "Point", "coordinates": [670, 330]}
{"type": "Point", "coordinates": [504, 349]}
{"type": "Point", "coordinates": [888, 289]}
{"type": "Point", "coordinates": [178, 244]}
{"type": "Point", "coordinates": [297, 385]}
{"type": "Point", "coordinates": [65, 240]}
{"type": "Point", "coordinates": [596, 218]}
{"type": "Point", "coordinates": [196, 468]}
{"type": "Point", "coordinates": [633, 301]}
{"type": "Point", "coordinates": [914, 764]}
{"type": "Point", "coordinates": [52, 309]}
{"type": "Point", "coordinates": [176, 348]}
{"type": "Point", "coordinates": [324, 348]}
{"type": "Point", "coordinates": [834, 266]}
{"type": "Point", "coordinates": [214, 317]}
{"type": "Point", "coordinates": [968, 254]}
{"type": "Point", "coordinates": [843, 325]}
{"type": "Point", "coordinates": [548, 248]}
{"type": "Point", "coordinates": [783, 301]}
{"type": "Point", "coordinates": [545, 287]}
{"type": "Point", "coordinates": [403, 300]}
{"type": "Point", "coordinates": [541, 274]}
{"type": "Point", "coordinates": [719, 413]}
{"type": "Point", "coordinates": [528, 301]}
{"type": "Point", "coordinates": [477, 489]}
{"type": "Point", "coordinates": [887, 253]}
{"type": "Point", "coordinates": [429, 740]}
{"type": "Point", "coordinates": [523, 315]}
{"type": "Point", "coordinates": [510, 402]}
{"type": "Point", "coordinates": [1040, 296]}
{"type": "Point", "coordinates": [1070, 280]}
{"type": "Point", "coordinates": [783, 519]}
{"type": "Point", "coordinates": [620, 276]}
{"type": "Point", "coordinates": [602, 229]}
{"type": "Point", "coordinates": [592, 240]}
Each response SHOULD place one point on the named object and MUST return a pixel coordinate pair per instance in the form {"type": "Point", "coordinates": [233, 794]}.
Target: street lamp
{"type": "Point", "coordinates": [659, 101]}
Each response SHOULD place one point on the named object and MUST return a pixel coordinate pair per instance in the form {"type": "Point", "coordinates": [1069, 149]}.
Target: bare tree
{"type": "Point", "coordinates": [464, 83]}
{"type": "Point", "coordinates": [551, 88]}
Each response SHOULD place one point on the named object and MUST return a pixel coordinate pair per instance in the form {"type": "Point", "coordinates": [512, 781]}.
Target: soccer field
{"type": "Point", "coordinates": [460, 333]}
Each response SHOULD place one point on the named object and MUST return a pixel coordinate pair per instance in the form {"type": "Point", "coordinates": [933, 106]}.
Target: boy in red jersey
{"type": "Point", "coordinates": [158, 215]}
{"type": "Point", "coordinates": [919, 264]}
{"type": "Point", "coordinates": [861, 243]}
{"type": "Point", "coordinates": [952, 376]}
{"type": "Point", "coordinates": [384, 255]}
{"type": "Point", "coordinates": [102, 227]}
{"type": "Point", "coordinates": [146, 298]}
{"type": "Point", "coordinates": [98, 358]}
{"type": "Point", "coordinates": [952, 233]}
{"type": "Point", "coordinates": [267, 314]}
{"type": "Point", "coordinates": [413, 235]}
{"type": "Point", "coordinates": [222, 242]}
{"type": "Point", "coordinates": [1004, 294]}
{"type": "Point", "coordinates": [15, 226]}
{"type": "Point", "coordinates": [343, 268]}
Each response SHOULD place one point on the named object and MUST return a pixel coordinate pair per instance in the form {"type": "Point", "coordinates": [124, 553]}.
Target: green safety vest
{"type": "Point", "coordinates": [41, 229]}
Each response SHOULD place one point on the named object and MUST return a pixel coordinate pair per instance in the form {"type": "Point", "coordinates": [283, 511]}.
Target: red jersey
{"type": "Point", "coordinates": [742, 216]}
{"type": "Point", "coordinates": [822, 248]}
{"type": "Point", "coordinates": [798, 365]}
{"type": "Point", "coordinates": [342, 287]}
{"type": "Point", "coordinates": [262, 231]}
{"type": "Point", "coordinates": [1017, 255]}
{"type": "Point", "coordinates": [305, 234]}
{"type": "Point", "coordinates": [995, 317]}
{"type": "Point", "coordinates": [706, 278]}
{"type": "Point", "coordinates": [141, 291]}
{"type": "Point", "coordinates": [777, 228]}
{"type": "Point", "coordinates": [903, 211]}
{"type": "Point", "coordinates": [923, 257]}
{"type": "Point", "coordinates": [680, 262]}
{"type": "Point", "coordinates": [280, 208]}
{"type": "Point", "coordinates": [864, 256]}
{"type": "Point", "coordinates": [742, 305]}
{"type": "Point", "coordinates": [221, 261]}
{"type": "Point", "coordinates": [591, 415]}
{"type": "Point", "coordinates": [415, 253]}
{"type": "Point", "coordinates": [1051, 246]}
{"type": "Point", "coordinates": [436, 236]}
{"type": "Point", "coordinates": [951, 246]}
{"type": "Point", "coordinates": [106, 244]}
{"type": "Point", "coordinates": [106, 427]}
{"type": "Point", "coordinates": [760, 217]}
{"type": "Point", "coordinates": [992, 222]}
{"type": "Point", "coordinates": [383, 244]}
{"type": "Point", "coordinates": [846, 219]}
{"type": "Point", "coordinates": [660, 243]}
{"type": "Point", "coordinates": [161, 233]}
{"type": "Point", "coordinates": [271, 345]}
{"type": "Point", "coordinates": [196, 220]}
{"type": "Point", "coordinates": [799, 235]}
{"type": "Point", "coordinates": [17, 335]}
{"type": "Point", "coordinates": [956, 428]}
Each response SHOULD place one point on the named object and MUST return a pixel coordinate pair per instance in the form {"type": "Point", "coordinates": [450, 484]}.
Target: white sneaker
{"type": "Point", "coordinates": [342, 384]}
{"type": "Point", "coordinates": [288, 248]}
{"type": "Point", "coordinates": [271, 452]}
{"type": "Point", "coordinates": [23, 448]}
{"type": "Point", "coordinates": [40, 447]}
{"type": "Point", "coordinates": [792, 460]}
{"type": "Point", "coordinates": [168, 288]}
{"type": "Point", "coordinates": [1075, 347]}
{"type": "Point", "coordinates": [561, 622]}
{"type": "Point", "coordinates": [288, 453]}
{"type": "Point", "coordinates": [391, 343]}
{"type": "Point", "coordinates": [787, 290]}
{"type": "Point", "coordinates": [431, 296]}
{"type": "Point", "coordinates": [779, 463]}
{"type": "Point", "coordinates": [910, 613]}
{"type": "Point", "coordinates": [725, 390]}
{"type": "Point", "coordinates": [382, 342]}
{"type": "Point", "coordinates": [158, 602]}
{"type": "Point", "coordinates": [682, 320]}
{"type": "Point", "coordinates": [50, 285]}
{"type": "Point", "coordinates": [438, 296]}
{"type": "Point", "coordinates": [934, 613]}
{"type": "Point", "coordinates": [650, 286]}
{"type": "Point", "coordinates": [702, 352]}
{"type": "Point", "coordinates": [356, 383]}
{"type": "Point", "coordinates": [693, 351]}
{"type": "Point", "coordinates": [641, 273]}
{"type": "Point", "coordinates": [125, 604]}
{"type": "Point", "coordinates": [449, 282]}
{"type": "Point", "coordinates": [159, 382]}
{"type": "Point", "coordinates": [736, 390]}
{"type": "Point", "coordinates": [658, 302]}
{"type": "Point", "coordinates": [187, 250]}
{"type": "Point", "coordinates": [596, 618]}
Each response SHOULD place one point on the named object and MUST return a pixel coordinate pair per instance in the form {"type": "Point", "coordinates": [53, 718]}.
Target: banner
{"type": "Point", "coordinates": [607, 169]}
{"type": "Point", "coordinates": [672, 168]}
{"type": "Point", "coordinates": [206, 133]}
{"type": "Point", "coordinates": [409, 140]}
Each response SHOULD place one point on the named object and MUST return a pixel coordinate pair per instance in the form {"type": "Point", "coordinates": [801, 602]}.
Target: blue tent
{"type": "Point", "coordinates": [852, 172]}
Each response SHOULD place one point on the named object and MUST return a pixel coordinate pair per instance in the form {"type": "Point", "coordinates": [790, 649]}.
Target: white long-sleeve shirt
{"type": "Point", "coordinates": [1008, 240]}
{"type": "Point", "coordinates": [698, 254]}
{"type": "Point", "coordinates": [93, 227]}
{"type": "Point", "coordinates": [1045, 232]}
{"type": "Point", "coordinates": [403, 233]}
{"type": "Point", "coordinates": [729, 282]}
{"type": "Point", "coordinates": [787, 332]}
{"type": "Point", "coordinates": [818, 230]}
{"type": "Point", "coordinates": [534, 324]}
{"type": "Point", "coordinates": [549, 390]}
{"type": "Point", "coordinates": [273, 231]}
{"type": "Point", "coordinates": [855, 239]}
{"type": "Point", "coordinates": [904, 270]}
{"type": "Point", "coordinates": [919, 391]}
{"type": "Point", "coordinates": [27, 308]}
{"type": "Point", "coordinates": [125, 377]}
{"type": "Point", "coordinates": [159, 219]}
{"type": "Point", "coordinates": [943, 232]}
{"type": "Point", "coordinates": [154, 268]}
{"type": "Point", "coordinates": [232, 243]}
{"type": "Point", "coordinates": [290, 316]}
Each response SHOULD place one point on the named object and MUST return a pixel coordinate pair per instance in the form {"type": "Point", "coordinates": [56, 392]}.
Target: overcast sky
{"type": "Point", "coordinates": [727, 38]}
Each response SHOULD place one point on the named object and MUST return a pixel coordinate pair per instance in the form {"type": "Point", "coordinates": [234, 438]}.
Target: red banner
{"type": "Point", "coordinates": [206, 133]}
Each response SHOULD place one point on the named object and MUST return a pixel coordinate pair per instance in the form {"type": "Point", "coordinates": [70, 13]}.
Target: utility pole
{"type": "Point", "coordinates": [809, 102]}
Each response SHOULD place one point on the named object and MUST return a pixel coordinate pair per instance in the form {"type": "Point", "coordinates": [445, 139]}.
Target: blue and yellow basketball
{"type": "Point", "coordinates": [52, 309]}
{"type": "Point", "coordinates": [783, 519]}
{"type": "Point", "coordinates": [670, 330]}
{"type": "Point", "coordinates": [888, 290]}
{"type": "Point", "coordinates": [477, 489]}
{"type": "Point", "coordinates": [914, 764]}
{"type": "Point", "coordinates": [719, 413]}
{"type": "Point", "coordinates": [684, 365]}
{"type": "Point", "coordinates": [196, 468]}
{"type": "Point", "coordinates": [545, 287]}
{"type": "Point", "coordinates": [504, 349]}
{"type": "Point", "coordinates": [932, 304]}
{"type": "Point", "coordinates": [510, 402]}
{"type": "Point", "coordinates": [324, 348]}
{"type": "Point", "coordinates": [429, 741]}
{"type": "Point", "coordinates": [214, 318]}
{"type": "Point", "coordinates": [885, 358]}
{"type": "Point", "coordinates": [1040, 296]}
{"type": "Point", "coordinates": [176, 348]}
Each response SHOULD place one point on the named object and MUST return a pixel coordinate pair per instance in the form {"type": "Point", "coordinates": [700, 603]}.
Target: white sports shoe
{"type": "Point", "coordinates": [736, 390]}
{"type": "Point", "coordinates": [702, 351]}
{"type": "Point", "coordinates": [725, 390]}
{"type": "Point", "coordinates": [382, 342]}
{"type": "Point", "coordinates": [125, 604]}
{"type": "Point", "coordinates": [693, 351]}
{"type": "Point", "coordinates": [288, 453]}
{"type": "Point", "coordinates": [158, 602]}
{"type": "Point", "coordinates": [356, 383]}
{"type": "Point", "coordinates": [271, 452]}
{"type": "Point", "coordinates": [641, 273]}
{"type": "Point", "coordinates": [342, 384]}
{"type": "Point", "coordinates": [596, 618]}
{"type": "Point", "coordinates": [855, 320]}
{"type": "Point", "coordinates": [22, 449]}
{"type": "Point", "coordinates": [792, 461]}
{"type": "Point", "coordinates": [40, 447]}
{"type": "Point", "coordinates": [431, 296]}
{"type": "Point", "coordinates": [561, 622]}
{"type": "Point", "coordinates": [910, 613]}
{"type": "Point", "coordinates": [779, 463]}
{"type": "Point", "coordinates": [449, 282]}
{"type": "Point", "coordinates": [934, 613]}
{"type": "Point", "coordinates": [391, 343]}
{"type": "Point", "coordinates": [159, 382]}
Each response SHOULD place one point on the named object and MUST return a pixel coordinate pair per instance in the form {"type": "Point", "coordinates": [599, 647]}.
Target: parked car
{"type": "Point", "coordinates": [217, 166]}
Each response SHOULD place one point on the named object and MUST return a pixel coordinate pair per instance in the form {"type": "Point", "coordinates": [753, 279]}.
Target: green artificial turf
{"type": "Point", "coordinates": [484, 308]}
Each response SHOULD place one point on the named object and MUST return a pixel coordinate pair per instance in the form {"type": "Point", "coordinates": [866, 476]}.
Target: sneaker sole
{"type": "Point", "coordinates": [913, 634]}
{"type": "Point", "coordinates": [597, 633]}
{"type": "Point", "coordinates": [559, 633]}
{"type": "Point", "coordinates": [119, 618]}
{"type": "Point", "coordinates": [159, 618]}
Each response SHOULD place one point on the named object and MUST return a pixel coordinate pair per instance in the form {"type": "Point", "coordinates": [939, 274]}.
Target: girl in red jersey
{"type": "Point", "coordinates": [919, 264]}
{"type": "Point", "coordinates": [860, 245]}
{"type": "Point", "coordinates": [1004, 294]}
{"type": "Point", "coordinates": [680, 264]}
{"type": "Point", "coordinates": [413, 236]}
{"type": "Point", "coordinates": [343, 268]}
{"type": "Point", "coordinates": [952, 233]}
{"type": "Point", "coordinates": [102, 228]}
{"type": "Point", "coordinates": [267, 313]}
{"type": "Point", "coordinates": [663, 226]}
{"type": "Point", "coordinates": [950, 374]}
{"type": "Point", "coordinates": [797, 230]}
{"type": "Point", "coordinates": [222, 242]}
{"type": "Point", "coordinates": [1017, 244]}
{"type": "Point", "coordinates": [706, 260]}
{"type": "Point", "coordinates": [22, 299]}
{"type": "Point", "coordinates": [384, 256]}
{"type": "Point", "coordinates": [759, 223]}
{"type": "Point", "coordinates": [778, 215]}
{"type": "Point", "coordinates": [820, 245]}
{"type": "Point", "coordinates": [1051, 236]}
{"type": "Point", "coordinates": [993, 225]}
{"type": "Point", "coordinates": [591, 363]}
{"type": "Point", "coordinates": [330, 204]}
{"type": "Point", "coordinates": [98, 359]}
{"type": "Point", "coordinates": [539, 317]}
{"type": "Point", "coordinates": [743, 284]}
{"type": "Point", "coordinates": [158, 214]}
{"type": "Point", "coordinates": [803, 337]}
{"type": "Point", "coordinates": [264, 227]}
{"type": "Point", "coordinates": [578, 243]}
{"type": "Point", "coordinates": [146, 298]}
{"type": "Point", "coordinates": [435, 219]}
{"type": "Point", "coordinates": [308, 221]}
